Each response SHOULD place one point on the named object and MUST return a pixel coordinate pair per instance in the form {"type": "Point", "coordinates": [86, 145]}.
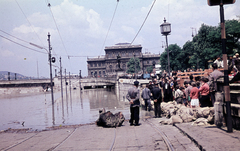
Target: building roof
{"type": "Point", "coordinates": [97, 58]}
{"type": "Point", "coordinates": [122, 46]}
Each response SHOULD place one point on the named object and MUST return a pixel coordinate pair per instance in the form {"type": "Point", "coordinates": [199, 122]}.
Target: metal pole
{"type": "Point", "coordinates": [168, 57]}
{"type": "Point", "coordinates": [66, 82]}
{"type": "Point", "coordinates": [80, 80]}
{"type": "Point", "coordinates": [70, 87]}
{"type": "Point", "coordinates": [51, 85]}
{"type": "Point", "coordinates": [61, 81]}
{"type": "Point", "coordinates": [226, 79]}
{"type": "Point", "coordinates": [8, 76]}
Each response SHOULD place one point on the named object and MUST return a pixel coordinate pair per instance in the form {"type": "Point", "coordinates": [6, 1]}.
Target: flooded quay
{"type": "Point", "coordinates": [35, 111]}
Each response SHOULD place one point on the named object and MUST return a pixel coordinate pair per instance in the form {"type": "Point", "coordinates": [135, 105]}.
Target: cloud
{"type": "Point", "coordinates": [6, 53]}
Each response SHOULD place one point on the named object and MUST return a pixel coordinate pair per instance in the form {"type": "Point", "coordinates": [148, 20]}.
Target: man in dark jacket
{"type": "Point", "coordinates": [167, 91]}
{"type": "Point", "coordinates": [157, 98]}
{"type": "Point", "coordinates": [133, 98]}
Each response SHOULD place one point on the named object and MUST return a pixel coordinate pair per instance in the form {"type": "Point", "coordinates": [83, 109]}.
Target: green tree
{"type": "Point", "coordinates": [174, 51]}
{"type": "Point", "coordinates": [205, 46]}
{"type": "Point", "coordinates": [131, 65]}
{"type": "Point", "coordinates": [149, 69]}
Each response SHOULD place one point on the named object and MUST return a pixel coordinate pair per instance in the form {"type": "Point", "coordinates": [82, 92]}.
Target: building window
{"type": "Point", "coordinates": [123, 54]}
{"type": "Point", "coordinates": [104, 73]}
{"type": "Point", "coordinates": [110, 68]}
{"type": "Point", "coordinates": [124, 66]}
{"type": "Point", "coordinates": [91, 65]}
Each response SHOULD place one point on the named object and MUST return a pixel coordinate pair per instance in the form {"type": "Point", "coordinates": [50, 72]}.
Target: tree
{"type": "Point", "coordinates": [174, 51]}
{"type": "Point", "coordinates": [149, 69]}
{"type": "Point", "coordinates": [205, 46]}
{"type": "Point", "coordinates": [131, 65]}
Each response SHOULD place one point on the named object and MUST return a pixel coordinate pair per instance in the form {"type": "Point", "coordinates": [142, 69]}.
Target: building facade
{"type": "Point", "coordinates": [107, 65]}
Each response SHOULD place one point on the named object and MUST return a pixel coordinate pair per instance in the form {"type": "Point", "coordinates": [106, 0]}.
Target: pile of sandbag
{"type": "Point", "coordinates": [178, 113]}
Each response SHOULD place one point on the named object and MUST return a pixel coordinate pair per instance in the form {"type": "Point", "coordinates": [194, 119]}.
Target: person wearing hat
{"type": "Point", "coordinates": [133, 98]}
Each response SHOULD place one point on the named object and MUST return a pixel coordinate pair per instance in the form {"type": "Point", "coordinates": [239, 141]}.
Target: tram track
{"type": "Point", "coordinates": [52, 149]}
{"type": "Point", "coordinates": [14, 145]}
{"type": "Point", "coordinates": [166, 140]}
{"type": "Point", "coordinates": [114, 140]}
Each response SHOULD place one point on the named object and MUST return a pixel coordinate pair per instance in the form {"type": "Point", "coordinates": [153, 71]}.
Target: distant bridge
{"type": "Point", "coordinates": [86, 83]}
{"type": "Point", "coordinates": [25, 83]}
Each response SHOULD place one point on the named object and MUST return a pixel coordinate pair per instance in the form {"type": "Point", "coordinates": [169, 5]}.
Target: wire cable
{"type": "Point", "coordinates": [28, 21]}
{"type": "Point", "coordinates": [109, 27]}
{"type": "Point", "coordinates": [22, 45]}
{"type": "Point", "coordinates": [23, 40]}
{"type": "Point", "coordinates": [143, 22]}
{"type": "Point", "coordinates": [49, 5]}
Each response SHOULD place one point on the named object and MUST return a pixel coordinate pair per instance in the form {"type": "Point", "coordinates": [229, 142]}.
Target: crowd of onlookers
{"type": "Point", "coordinates": [196, 91]}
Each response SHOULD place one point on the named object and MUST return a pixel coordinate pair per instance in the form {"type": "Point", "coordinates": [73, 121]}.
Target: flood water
{"type": "Point", "coordinates": [36, 112]}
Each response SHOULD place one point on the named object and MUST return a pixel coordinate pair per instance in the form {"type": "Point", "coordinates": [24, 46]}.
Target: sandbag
{"type": "Point", "coordinates": [107, 119]}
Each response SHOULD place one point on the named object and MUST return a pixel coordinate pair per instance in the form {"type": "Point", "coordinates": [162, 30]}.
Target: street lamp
{"type": "Point", "coordinates": [165, 30]}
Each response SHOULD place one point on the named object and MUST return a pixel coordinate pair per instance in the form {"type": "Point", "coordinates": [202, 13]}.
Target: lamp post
{"type": "Point", "coordinates": [165, 30]}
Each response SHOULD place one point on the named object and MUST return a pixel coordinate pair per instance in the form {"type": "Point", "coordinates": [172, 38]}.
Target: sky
{"type": "Point", "coordinates": [81, 28]}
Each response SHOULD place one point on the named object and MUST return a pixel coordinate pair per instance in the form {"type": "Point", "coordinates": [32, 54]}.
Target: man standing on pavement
{"type": "Point", "coordinates": [133, 98]}
{"type": "Point", "coordinates": [146, 95]}
{"type": "Point", "coordinates": [157, 98]}
{"type": "Point", "coordinates": [213, 81]}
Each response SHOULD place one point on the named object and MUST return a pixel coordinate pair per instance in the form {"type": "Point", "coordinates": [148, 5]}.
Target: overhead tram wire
{"type": "Point", "coordinates": [22, 45]}
{"type": "Point", "coordinates": [109, 27]}
{"type": "Point", "coordinates": [29, 22]}
{"type": "Point", "coordinates": [49, 5]}
{"type": "Point", "coordinates": [143, 22]}
{"type": "Point", "coordinates": [35, 45]}
{"type": "Point", "coordinates": [24, 40]}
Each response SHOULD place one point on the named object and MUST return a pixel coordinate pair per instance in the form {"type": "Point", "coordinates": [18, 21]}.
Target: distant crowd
{"type": "Point", "coordinates": [195, 92]}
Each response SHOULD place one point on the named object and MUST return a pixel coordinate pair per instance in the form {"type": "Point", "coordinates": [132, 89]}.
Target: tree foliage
{"type": "Point", "coordinates": [205, 46]}
{"type": "Point", "coordinates": [149, 69]}
{"type": "Point", "coordinates": [131, 65]}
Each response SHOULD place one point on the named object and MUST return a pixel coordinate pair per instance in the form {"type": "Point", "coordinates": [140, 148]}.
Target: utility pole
{"type": "Point", "coordinates": [226, 79]}
{"type": "Point", "coordinates": [66, 82]}
{"type": "Point", "coordinates": [80, 80]}
{"type": "Point", "coordinates": [61, 80]}
{"type": "Point", "coordinates": [224, 52]}
{"type": "Point", "coordinates": [51, 85]}
{"type": "Point", "coordinates": [70, 86]}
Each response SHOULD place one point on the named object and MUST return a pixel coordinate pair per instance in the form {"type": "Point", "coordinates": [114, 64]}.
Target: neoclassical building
{"type": "Point", "coordinates": [108, 64]}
